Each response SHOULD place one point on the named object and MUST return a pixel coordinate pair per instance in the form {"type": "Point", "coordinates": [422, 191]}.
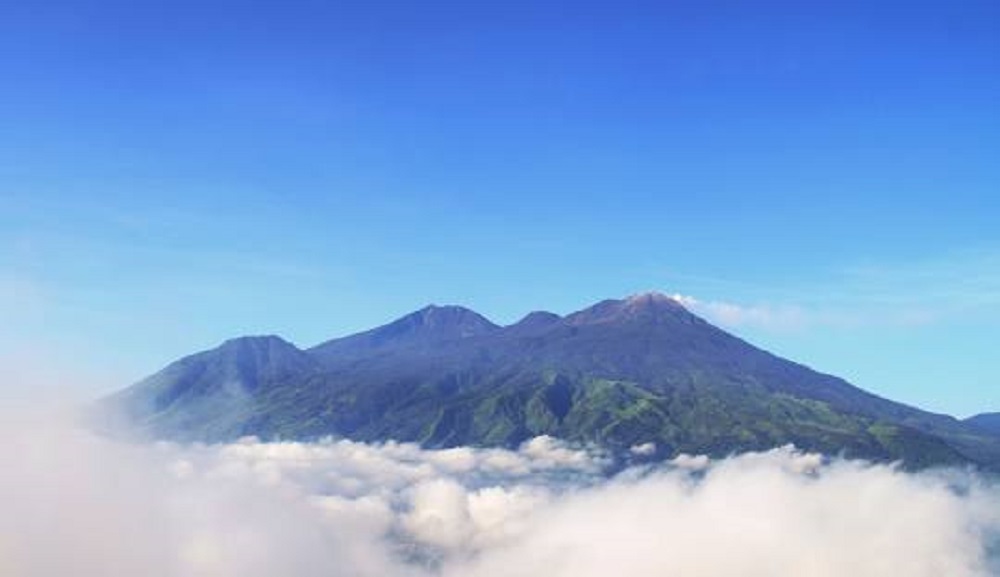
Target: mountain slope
{"type": "Point", "coordinates": [206, 395]}
{"type": "Point", "coordinates": [423, 329]}
{"type": "Point", "coordinates": [986, 422]}
{"type": "Point", "coordinates": [621, 372]}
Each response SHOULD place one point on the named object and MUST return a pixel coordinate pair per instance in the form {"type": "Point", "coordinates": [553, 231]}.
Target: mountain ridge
{"type": "Point", "coordinates": [986, 422]}
{"type": "Point", "coordinates": [620, 372]}
{"type": "Point", "coordinates": [428, 326]}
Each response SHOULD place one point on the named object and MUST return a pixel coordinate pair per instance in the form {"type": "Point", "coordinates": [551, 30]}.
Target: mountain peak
{"type": "Point", "coordinates": [449, 320]}
{"type": "Point", "coordinates": [648, 305]}
{"type": "Point", "coordinates": [652, 298]}
{"type": "Point", "coordinates": [536, 320]}
{"type": "Point", "coordinates": [258, 351]}
{"type": "Point", "coordinates": [986, 422]}
{"type": "Point", "coordinates": [256, 342]}
{"type": "Point", "coordinates": [429, 326]}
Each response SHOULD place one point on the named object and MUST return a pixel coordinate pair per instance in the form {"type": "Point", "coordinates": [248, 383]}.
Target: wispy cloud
{"type": "Point", "coordinates": [736, 315]}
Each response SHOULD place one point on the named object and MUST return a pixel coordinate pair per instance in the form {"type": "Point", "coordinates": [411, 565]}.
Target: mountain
{"type": "Point", "coordinates": [987, 422]}
{"type": "Point", "coordinates": [619, 373]}
{"type": "Point", "coordinates": [212, 392]}
{"type": "Point", "coordinates": [429, 327]}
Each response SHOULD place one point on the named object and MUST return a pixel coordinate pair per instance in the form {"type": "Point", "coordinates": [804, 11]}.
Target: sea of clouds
{"type": "Point", "coordinates": [75, 503]}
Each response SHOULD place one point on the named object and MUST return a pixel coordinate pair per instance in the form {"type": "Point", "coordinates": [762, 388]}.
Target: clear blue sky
{"type": "Point", "coordinates": [822, 176]}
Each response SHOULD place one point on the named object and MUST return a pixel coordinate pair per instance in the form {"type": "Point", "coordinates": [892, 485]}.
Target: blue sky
{"type": "Point", "coordinates": [820, 177]}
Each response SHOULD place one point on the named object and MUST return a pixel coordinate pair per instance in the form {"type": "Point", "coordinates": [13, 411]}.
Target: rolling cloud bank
{"type": "Point", "coordinates": [78, 504]}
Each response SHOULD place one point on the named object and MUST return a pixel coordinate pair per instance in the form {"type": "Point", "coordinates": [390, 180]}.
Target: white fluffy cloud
{"type": "Point", "coordinates": [785, 317]}
{"type": "Point", "coordinates": [74, 503]}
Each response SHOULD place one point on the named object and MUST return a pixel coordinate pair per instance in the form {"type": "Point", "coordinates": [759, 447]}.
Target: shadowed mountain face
{"type": "Point", "coordinates": [620, 373]}
{"type": "Point", "coordinates": [987, 422]}
{"type": "Point", "coordinates": [424, 329]}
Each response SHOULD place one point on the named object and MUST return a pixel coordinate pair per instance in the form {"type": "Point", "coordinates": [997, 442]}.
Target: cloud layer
{"type": "Point", "coordinates": [77, 504]}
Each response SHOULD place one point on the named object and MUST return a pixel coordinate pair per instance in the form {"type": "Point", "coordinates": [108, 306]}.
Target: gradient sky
{"type": "Point", "coordinates": [822, 177]}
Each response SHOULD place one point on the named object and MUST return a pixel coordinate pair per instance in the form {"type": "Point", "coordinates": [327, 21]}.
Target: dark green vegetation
{"type": "Point", "coordinates": [620, 373]}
